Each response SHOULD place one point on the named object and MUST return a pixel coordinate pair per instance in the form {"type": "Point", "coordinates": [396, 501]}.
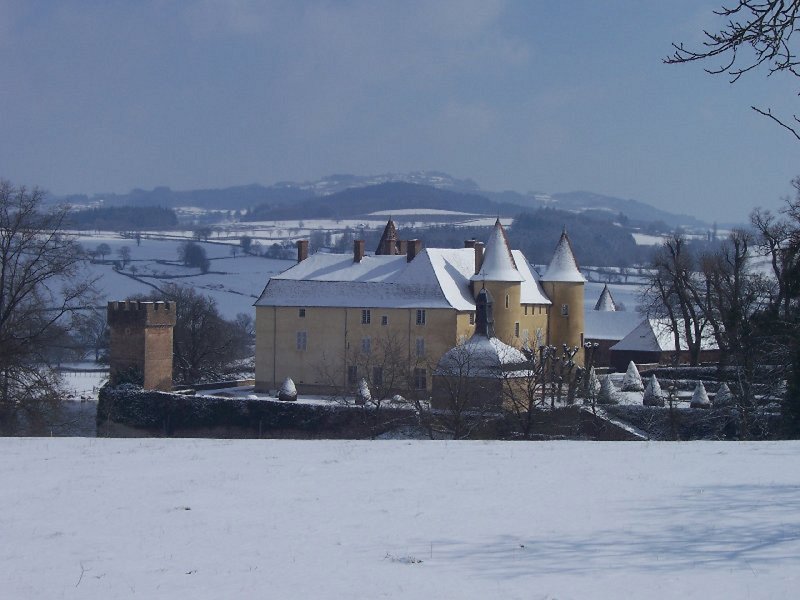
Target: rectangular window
{"type": "Point", "coordinates": [366, 316]}
{"type": "Point", "coordinates": [301, 313]}
{"type": "Point", "coordinates": [421, 316]}
{"type": "Point", "coordinates": [384, 320]}
{"type": "Point", "coordinates": [565, 310]}
{"type": "Point", "coordinates": [526, 309]}
{"type": "Point", "coordinates": [420, 346]}
{"type": "Point", "coordinates": [302, 340]}
{"type": "Point", "coordinates": [420, 379]}
{"type": "Point", "coordinates": [366, 345]}
{"type": "Point", "coordinates": [377, 376]}
{"type": "Point", "coordinates": [506, 300]}
{"type": "Point", "coordinates": [352, 375]}
{"type": "Point", "coordinates": [516, 329]}
{"type": "Point", "coordinates": [472, 318]}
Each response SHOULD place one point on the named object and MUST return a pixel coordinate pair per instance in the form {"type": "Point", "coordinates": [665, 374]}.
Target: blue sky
{"type": "Point", "coordinates": [548, 96]}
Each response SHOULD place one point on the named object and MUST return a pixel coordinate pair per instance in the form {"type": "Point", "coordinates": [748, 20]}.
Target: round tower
{"type": "Point", "coordinates": [497, 272]}
{"type": "Point", "coordinates": [564, 284]}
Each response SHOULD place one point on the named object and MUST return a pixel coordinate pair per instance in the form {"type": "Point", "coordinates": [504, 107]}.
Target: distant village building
{"type": "Point", "coordinates": [329, 321]}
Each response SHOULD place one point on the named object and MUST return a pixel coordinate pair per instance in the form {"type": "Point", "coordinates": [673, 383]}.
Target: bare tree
{"type": "Point", "coordinates": [124, 254]}
{"type": "Point", "coordinates": [40, 284]}
{"type": "Point", "coordinates": [755, 34]}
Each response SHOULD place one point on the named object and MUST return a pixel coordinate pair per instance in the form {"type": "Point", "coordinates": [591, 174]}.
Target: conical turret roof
{"type": "Point", "coordinates": [498, 264]}
{"type": "Point", "coordinates": [388, 241]}
{"type": "Point", "coordinates": [606, 301]}
{"type": "Point", "coordinates": [563, 266]}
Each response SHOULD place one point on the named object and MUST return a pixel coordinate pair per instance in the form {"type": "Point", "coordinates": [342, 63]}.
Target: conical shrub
{"type": "Point", "coordinates": [632, 381]}
{"type": "Point", "coordinates": [288, 391]}
{"type": "Point", "coordinates": [700, 397]}
{"type": "Point", "coordinates": [653, 396]}
{"type": "Point", "coordinates": [607, 395]}
{"type": "Point", "coordinates": [724, 396]}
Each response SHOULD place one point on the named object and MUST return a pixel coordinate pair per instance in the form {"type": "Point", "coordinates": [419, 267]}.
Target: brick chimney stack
{"type": "Point", "coordinates": [414, 248]}
{"type": "Point", "coordinates": [478, 256]}
{"type": "Point", "coordinates": [469, 243]}
{"type": "Point", "coordinates": [402, 247]}
{"type": "Point", "coordinates": [358, 250]}
{"type": "Point", "coordinates": [302, 250]}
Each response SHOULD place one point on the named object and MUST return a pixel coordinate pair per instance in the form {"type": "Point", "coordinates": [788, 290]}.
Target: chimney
{"type": "Point", "coordinates": [302, 250]}
{"type": "Point", "coordinates": [478, 256]}
{"type": "Point", "coordinates": [414, 246]}
{"type": "Point", "coordinates": [358, 250]}
{"type": "Point", "coordinates": [402, 247]}
{"type": "Point", "coordinates": [469, 243]}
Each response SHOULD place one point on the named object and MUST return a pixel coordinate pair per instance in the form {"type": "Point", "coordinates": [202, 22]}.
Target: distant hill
{"type": "Point", "coordinates": [360, 201]}
{"type": "Point", "coordinates": [288, 193]}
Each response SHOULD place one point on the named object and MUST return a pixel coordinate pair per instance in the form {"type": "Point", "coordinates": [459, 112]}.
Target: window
{"type": "Point", "coordinates": [421, 316]}
{"type": "Point", "coordinates": [506, 300]}
{"type": "Point", "coordinates": [472, 318]}
{"type": "Point", "coordinates": [366, 316]}
{"type": "Point", "coordinates": [565, 310]}
{"type": "Point", "coordinates": [352, 375]}
{"type": "Point", "coordinates": [301, 313]}
{"type": "Point", "coordinates": [526, 309]}
{"type": "Point", "coordinates": [516, 329]}
{"type": "Point", "coordinates": [302, 340]}
{"type": "Point", "coordinates": [366, 345]}
{"type": "Point", "coordinates": [377, 376]}
{"type": "Point", "coordinates": [384, 320]}
{"type": "Point", "coordinates": [420, 346]}
{"type": "Point", "coordinates": [420, 379]}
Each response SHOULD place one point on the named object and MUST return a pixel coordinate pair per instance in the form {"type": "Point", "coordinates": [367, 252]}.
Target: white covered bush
{"type": "Point", "coordinates": [700, 397]}
{"type": "Point", "coordinates": [653, 396]}
{"type": "Point", "coordinates": [632, 381]}
{"type": "Point", "coordinates": [288, 391]}
{"type": "Point", "coordinates": [607, 395]}
{"type": "Point", "coordinates": [364, 395]}
{"type": "Point", "coordinates": [724, 396]}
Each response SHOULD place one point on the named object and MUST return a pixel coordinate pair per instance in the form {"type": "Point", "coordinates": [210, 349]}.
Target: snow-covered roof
{"type": "Point", "coordinates": [563, 266]}
{"type": "Point", "coordinates": [606, 301]}
{"type": "Point", "coordinates": [480, 356]}
{"type": "Point", "coordinates": [498, 263]}
{"type": "Point", "coordinates": [436, 278]}
{"type": "Point", "coordinates": [655, 335]}
{"type": "Point", "coordinates": [603, 325]}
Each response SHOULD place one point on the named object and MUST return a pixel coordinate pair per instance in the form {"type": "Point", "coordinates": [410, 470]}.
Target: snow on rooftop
{"type": "Point", "coordinates": [608, 325]}
{"type": "Point", "coordinates": [606, 301]}
{"type": "Point", "coordinates": [436, 278]}
{"type": "Point", "coordinates": [563, 266]}
{"type": "Point", "coordinates": [498, 263]}
{"type": "Point", "coordinates": [655, 335]}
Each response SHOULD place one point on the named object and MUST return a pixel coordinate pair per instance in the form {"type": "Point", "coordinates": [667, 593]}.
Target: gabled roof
{"type": "Point", "coordinates": [498, 262]}
{"type": "Point", "coordinates": [655, 335]}
{"type": "Point", "coordinates": [436, 278]}
{"type": "Point", "coordinates": [606, 301]}
{"type": "Point", "coordinates": [563, 266]}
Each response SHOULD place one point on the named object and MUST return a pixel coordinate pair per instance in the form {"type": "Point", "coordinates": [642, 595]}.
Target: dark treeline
{"type": "Point", "coordinates": [121, 218]}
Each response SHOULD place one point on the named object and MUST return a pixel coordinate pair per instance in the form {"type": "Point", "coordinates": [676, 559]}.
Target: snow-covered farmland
{"type": "Point", "coordinates": [167, 518]}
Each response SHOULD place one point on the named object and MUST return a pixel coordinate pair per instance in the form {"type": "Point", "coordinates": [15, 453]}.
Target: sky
{"type": "Point", "coordinates": [106, 96]}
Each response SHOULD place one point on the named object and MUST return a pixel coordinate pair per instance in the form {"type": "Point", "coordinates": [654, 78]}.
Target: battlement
{"type": "Point", "coordinates": [145, 314]}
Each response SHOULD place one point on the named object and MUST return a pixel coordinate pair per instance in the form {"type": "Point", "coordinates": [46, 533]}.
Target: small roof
{"type": "Point", "coordinates": [563, 266]}
{"type": "Point", "coordinates": [608, 325]}
{"type": "Point", "coordinates": [606, 301]}
{"type": "Point", "coordinates": [388, 241]}
{"type": "Point", "coordinates": [655, 335]}
{"type": "Point", "coordinates": [480, 356]}
{"type": "Point", "coordinates": [498, 262]}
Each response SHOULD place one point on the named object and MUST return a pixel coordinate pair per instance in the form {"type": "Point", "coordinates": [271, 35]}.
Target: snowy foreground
{"type": "Point", "coordinates": [158, 518]}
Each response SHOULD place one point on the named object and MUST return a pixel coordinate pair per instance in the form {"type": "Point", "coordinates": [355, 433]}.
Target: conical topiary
{"type": "Point", "coordinates": [287, 393]}
{"type": "Point", "coordinates": [607, 395]}
{"type": "Point", "coordinates": [700, 397]}
{"type": "Point", "coordinates": [653, 396]}
{"type": "Point", "coordinates": [364, 395]}
{"type": "Point", "coordinates": [724, 396]}
{"type": "Point", "coordinates": [632, 381]}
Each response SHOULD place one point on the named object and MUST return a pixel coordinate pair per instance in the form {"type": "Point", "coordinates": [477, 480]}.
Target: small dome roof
{"type": "Point", "coordinates": [480, 356]}
{"type": "Point", "coordinates": [563, 266]}
{"type": "Point", "coordinates": [498, 264]}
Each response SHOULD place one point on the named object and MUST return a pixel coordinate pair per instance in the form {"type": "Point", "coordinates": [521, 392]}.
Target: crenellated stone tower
{"type": "Point", "coordinates": [141, 343]}
{"type": "Point", "coordinates": [564, 284]}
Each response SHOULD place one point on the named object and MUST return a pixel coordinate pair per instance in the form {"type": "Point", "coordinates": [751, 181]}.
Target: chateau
{"type": "Point", "coordinates": [333, 319]}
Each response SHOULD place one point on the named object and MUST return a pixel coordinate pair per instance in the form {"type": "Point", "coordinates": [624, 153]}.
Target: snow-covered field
{"type": "Point", "coordinates": [167, 518]}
